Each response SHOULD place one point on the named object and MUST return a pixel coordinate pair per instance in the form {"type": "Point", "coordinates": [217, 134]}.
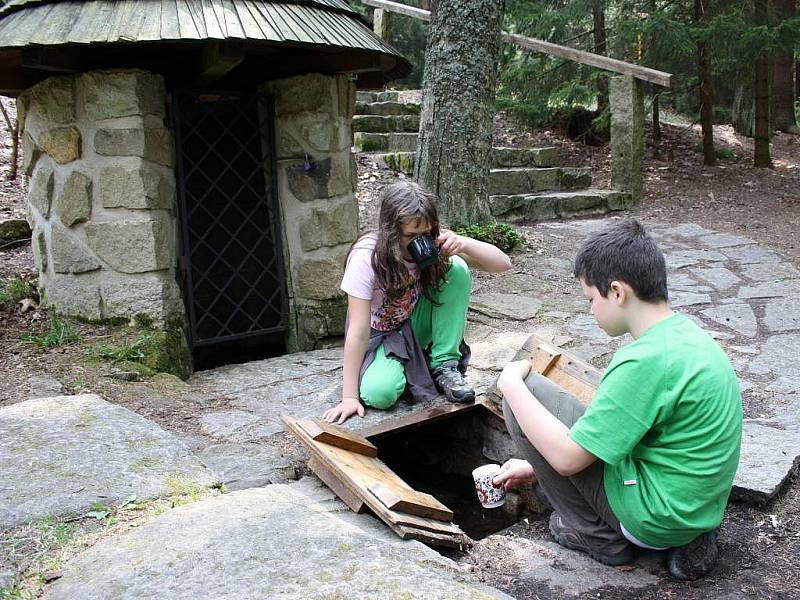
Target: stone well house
{"type": "Point", "coordinates": [190, 162]}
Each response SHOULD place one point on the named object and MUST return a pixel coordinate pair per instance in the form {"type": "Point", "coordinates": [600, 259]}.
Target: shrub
{"type": "Point", "coordinates": [501, 235]}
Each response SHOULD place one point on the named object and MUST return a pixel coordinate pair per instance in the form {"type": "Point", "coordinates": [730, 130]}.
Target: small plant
{"type": "Point", "coordinates": [17, 289]}
{"type": "Point", "coordinates": [58, 332]}
{"type": "Point", "coordinates": [501, 235]}
{"type": "Point", "coordinates": [725, 153]}
{"type": "Point", "coordinates": [127, 351]}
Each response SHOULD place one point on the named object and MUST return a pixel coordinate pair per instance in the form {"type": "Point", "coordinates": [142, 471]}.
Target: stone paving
{"type": "Point", "coordinates": [274, 535]}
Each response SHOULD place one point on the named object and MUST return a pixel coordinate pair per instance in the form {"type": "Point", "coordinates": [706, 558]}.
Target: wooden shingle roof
{"type": "Point", "coordinates": [325, 26]}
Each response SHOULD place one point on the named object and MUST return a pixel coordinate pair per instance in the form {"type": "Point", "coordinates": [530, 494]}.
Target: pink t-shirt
{"type": "Point", "coordinates": [387, 314]}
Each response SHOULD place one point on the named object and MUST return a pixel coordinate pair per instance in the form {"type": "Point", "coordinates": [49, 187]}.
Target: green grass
{"type": "Point", "coordinates": [501, 235]}
{"type": "Point", "coordinates": [132, 351]}
{"type": "Point", "coordinates": [17, 289]}
{"type": "Point", "coordinates": [56, 333]}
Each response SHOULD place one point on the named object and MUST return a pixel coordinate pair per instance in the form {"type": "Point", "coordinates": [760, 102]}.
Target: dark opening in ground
{"type": "Point", "coordinates": [438, 458]}
{"type": "Point", "coordinates": [239, 351]}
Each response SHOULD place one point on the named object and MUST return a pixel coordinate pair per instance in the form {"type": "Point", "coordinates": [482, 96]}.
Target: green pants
{"type": "Point", "coordinates": [440, 327]}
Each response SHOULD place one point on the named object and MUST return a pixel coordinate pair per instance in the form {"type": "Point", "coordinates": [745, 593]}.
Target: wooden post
{"type": "Point", "coordinates": [381, 21]}
{"type": "Point", "coordinates": [627, 134]}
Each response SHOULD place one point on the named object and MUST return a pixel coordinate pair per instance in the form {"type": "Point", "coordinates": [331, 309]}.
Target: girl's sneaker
{"type": "Point", "coordinates": [451, 383]}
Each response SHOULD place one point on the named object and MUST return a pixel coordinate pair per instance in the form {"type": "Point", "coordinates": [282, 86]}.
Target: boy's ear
{"type": "Point", "coordinates": [618, 291]}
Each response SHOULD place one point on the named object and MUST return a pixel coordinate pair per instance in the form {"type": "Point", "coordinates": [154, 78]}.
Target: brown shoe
{"type": "Point", "coordinates": [614, 555]}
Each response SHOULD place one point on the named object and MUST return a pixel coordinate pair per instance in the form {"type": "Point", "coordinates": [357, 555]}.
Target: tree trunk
{"type": "Point", "coordinates": [656, 128]}
{"type": "Point", "coordinates": [783, 78]}
{"type": "Point", "coordinates": [600, 47]}
{"type": "Point", "coordinates": [706, 91]}
{"type": "Point", "coordinates": [13, 131]}
{"type": "Point", "coordinates": [656, 115]}
{"type": "Point", "coordinates": [458, 92]}
{"type": "Point", "coordinates": [761, 157]}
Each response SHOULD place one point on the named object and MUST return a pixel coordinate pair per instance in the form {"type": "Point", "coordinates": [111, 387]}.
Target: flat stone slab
{"type": "Point", "coordinates": [719, 277]}
{"type": "Point", "coordinates": [782, 314]}
{"type": "Point", "coordinates": [563, 572]}
{"type": "Point", "coordinates": [751, 254]}
{"type": "Point", "coordinates": [516, 307]}
{"type": "Point", "coordinates": [724, 240]}
{"type": "Point", "coordinates": [779, 355]}
{"type": "Point", "coordinates": [59, 455]}
{"type": "Point", "coordinates": [770, 272]}
{"type": "Point", "coordinates": [738, 317]}
{"type": "Point", "coordinates": [770, 452]}
{"type": "Point", "coordinates": [242, 466]}
{"type": "Point", "coordinates": [272, 542]}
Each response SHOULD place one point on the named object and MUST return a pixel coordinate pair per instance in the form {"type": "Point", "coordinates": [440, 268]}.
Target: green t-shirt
{"type": "Point", "coordinates": [667, 421]}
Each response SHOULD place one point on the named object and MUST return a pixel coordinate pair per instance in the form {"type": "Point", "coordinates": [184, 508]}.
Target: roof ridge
{"type": "Point", "coordinates": [337, 6]}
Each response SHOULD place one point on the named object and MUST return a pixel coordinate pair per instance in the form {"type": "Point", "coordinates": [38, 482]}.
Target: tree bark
{"type": "Point", "coordinates": [600, 47]}
{"type": "Point", "coordinates": [458, 91]}
{"type": "Point", "coordinates": [13, 131]}
{"type": "Point", "coordinates": [783, 77]}
{"type": "Point", "coordinates": [706, 91]}
{"type": "Point", "coordinates": [761, 156]}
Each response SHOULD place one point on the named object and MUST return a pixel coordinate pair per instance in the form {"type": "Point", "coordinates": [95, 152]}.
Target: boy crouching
{"type": "Point", "coordinates": [651, 460]}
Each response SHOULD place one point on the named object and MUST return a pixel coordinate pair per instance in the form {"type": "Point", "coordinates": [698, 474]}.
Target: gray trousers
{"type": "Point", "coordinates": [580, 499]}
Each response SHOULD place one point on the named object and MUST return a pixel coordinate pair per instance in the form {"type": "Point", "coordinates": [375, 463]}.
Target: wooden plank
{"type": "Point", "coordinates": [320, 431]}
{"type": "Point", "coordinates": [356, 472]}
{"type": "Point", "coordinates": [411, 502]}
{"type": "Point", "coordinates": [400, 9]}
{"type": "Point", "coordinates": [544, 360]}
{"type": "Point", "coordinates": [461, 542]}
{"type": "Point", "coordinates": [416, 419]}
{"type": "Point", "coordinates": [575, 375]}
{"type": "Point", "coordinates": [587, 58]}
{"type": "Point", "coordinates": [353, 501]}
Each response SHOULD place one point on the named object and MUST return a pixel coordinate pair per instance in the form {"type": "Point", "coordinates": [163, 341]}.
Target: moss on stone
{"type": "Point", "coordinates": [167, 351]}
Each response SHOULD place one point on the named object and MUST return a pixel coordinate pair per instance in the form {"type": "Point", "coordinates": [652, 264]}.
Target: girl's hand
{"type": "Point", "coordinates": [513, 473]}
{"type": "Point", "coordinates": [514, 372]}
{"type": "Point", "coordinates": [344, 410]}
{"type": "Point", "coordinates": [449, 243]}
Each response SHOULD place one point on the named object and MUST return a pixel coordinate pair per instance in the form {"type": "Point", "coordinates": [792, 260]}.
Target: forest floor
{"type": "Point", "coordinates": [763, 560]}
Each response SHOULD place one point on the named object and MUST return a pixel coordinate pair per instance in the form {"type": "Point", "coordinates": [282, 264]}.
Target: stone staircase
{"type": "Point", "coordinates": [526, 184]}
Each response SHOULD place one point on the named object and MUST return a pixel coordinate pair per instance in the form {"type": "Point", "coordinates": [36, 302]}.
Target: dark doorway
{"type": "Point", "coordinates": [231, 267]}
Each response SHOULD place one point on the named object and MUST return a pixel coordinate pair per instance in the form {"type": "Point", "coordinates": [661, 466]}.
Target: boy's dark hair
{"type": "Point", "coordinates": [623, 252]}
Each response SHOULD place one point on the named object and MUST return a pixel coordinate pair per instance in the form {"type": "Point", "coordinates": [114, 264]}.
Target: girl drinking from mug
{"type": "Point", "coordinates": [407, 287]}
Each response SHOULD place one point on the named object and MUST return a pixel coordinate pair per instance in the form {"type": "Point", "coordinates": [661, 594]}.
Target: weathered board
{"type": "Point", "coordinates": [351, 475]}
{"type": "Point", "coordinates": [575, 375]}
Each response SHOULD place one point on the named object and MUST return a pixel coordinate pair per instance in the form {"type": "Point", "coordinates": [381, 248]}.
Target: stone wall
{"type": "Point", "coordinates": [316, 187]}
{"type": "Point", "coordinates": [101, 199]}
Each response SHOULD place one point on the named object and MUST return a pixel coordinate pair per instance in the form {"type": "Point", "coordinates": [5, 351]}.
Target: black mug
{"type": "Point", "coordinates": [424, 251]}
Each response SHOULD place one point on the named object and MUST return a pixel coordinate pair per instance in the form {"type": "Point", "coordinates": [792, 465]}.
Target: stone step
{"type": "Point", "coordinates": [514, 208]}
{"type": "Point", "coordinates": [387, 108]}
{"type": "Point", "coordinates": [386, 124]}
{"type": "Point", "coordinates": [526, 180]}
{"type": "Point", "coordinates": [384, 142]}
{"type": "Point", "coordinates": [505, 157]}
{"type": "Point", "coordinates": [384, 96]}
{"type": "Point", "coordinates": [501, 157]}
{"type": "Point", "coordinates": [398, 161]}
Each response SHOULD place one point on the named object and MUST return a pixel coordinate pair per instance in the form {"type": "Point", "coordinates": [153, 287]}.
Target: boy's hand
{"type": "Point", "coordinates": [513, 373]}
{"type": "Point", "coordinates": [513, 473]}
{"type": "Point", "coordinates": [344, 410]}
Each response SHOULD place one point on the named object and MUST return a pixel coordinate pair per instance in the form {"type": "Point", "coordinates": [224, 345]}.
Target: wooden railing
{"type": "Point", "coordinates": [580, 56]}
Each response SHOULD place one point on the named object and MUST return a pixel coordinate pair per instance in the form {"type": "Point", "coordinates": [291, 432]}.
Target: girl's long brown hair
{"type": "Point", "coordinates": [399, 203]}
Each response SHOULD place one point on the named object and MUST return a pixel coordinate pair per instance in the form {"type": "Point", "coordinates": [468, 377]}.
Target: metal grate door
{"type": "Point", "coordinates": [232, 259]}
